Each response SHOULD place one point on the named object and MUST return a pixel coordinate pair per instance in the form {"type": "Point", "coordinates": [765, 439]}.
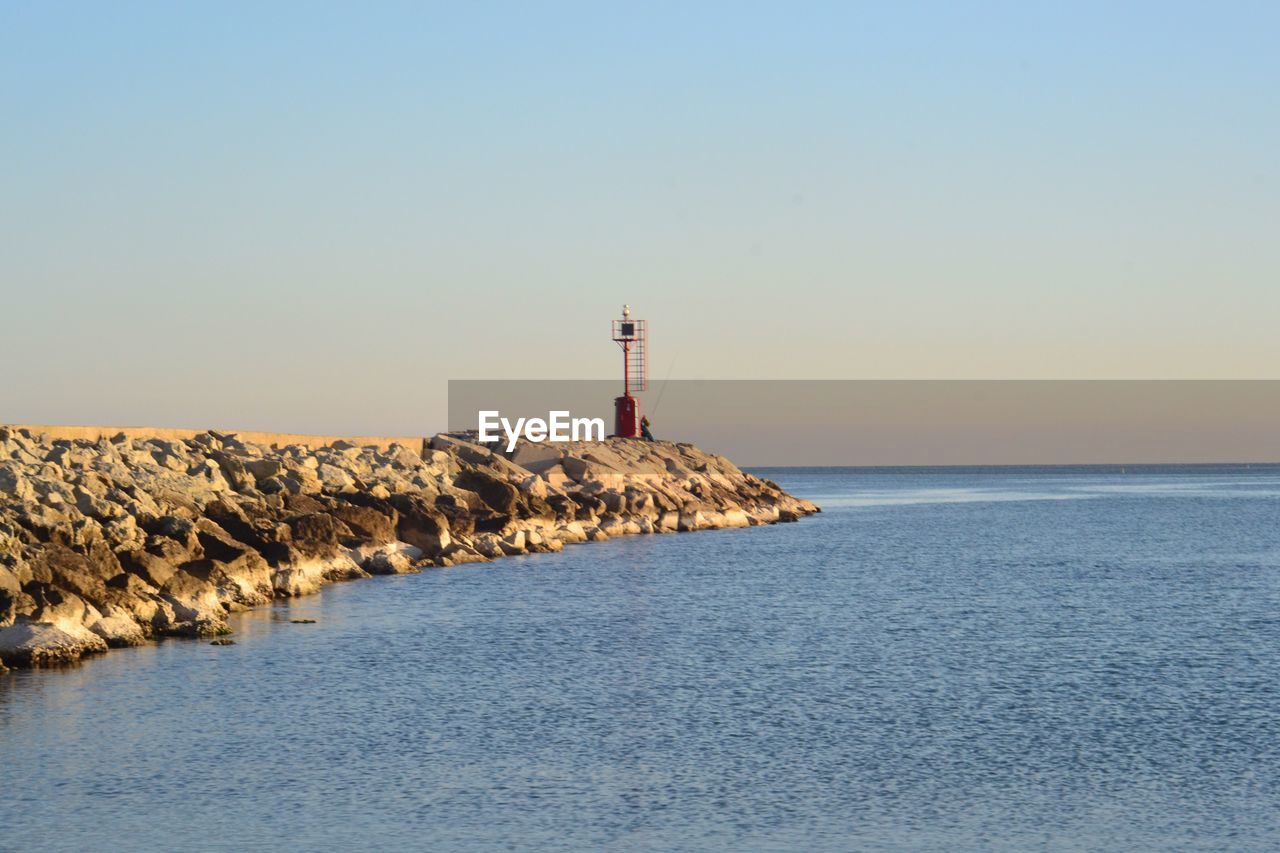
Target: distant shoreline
{"type": "Point", "coordinates": [1065, 466]}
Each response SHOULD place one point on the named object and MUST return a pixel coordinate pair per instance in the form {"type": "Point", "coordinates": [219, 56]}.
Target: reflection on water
{"type": "Point", "coordinates": [942, 660]}
{"type": "Point", "coordinates": [901, 487]}
{"type": "Point", "coordinates": [905, 497]}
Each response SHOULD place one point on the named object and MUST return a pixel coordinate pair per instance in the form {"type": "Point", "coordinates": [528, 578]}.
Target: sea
{"type": "Point", "coordinates": [944, 659]}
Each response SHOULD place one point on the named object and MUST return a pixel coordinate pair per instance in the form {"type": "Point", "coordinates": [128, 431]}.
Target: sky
{"type": "Point", "coordinates": [307, 217]}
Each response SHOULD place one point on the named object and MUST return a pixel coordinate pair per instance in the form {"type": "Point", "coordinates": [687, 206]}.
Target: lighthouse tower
{"type": "Point", "coordinates": [632, 336]}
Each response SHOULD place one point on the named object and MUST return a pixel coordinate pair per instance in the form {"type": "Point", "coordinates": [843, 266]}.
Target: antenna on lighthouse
{"type": "Point", "coordinates": [632, 336]}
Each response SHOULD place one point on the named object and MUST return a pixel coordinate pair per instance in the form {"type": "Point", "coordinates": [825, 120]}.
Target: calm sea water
{"type": "Point", "coordinates": [944, 659]}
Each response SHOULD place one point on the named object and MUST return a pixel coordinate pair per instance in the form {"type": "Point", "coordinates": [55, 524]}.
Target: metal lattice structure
{"type": "Point", "coordinates": [633, 337]}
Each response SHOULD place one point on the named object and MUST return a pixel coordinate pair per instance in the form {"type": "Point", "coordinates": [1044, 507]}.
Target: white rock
{"type": "Point", "coordinates": [35, 643]}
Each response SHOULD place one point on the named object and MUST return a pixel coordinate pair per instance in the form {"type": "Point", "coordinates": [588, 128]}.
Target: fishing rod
{"type": "Point", "coordinates": [663, 390]}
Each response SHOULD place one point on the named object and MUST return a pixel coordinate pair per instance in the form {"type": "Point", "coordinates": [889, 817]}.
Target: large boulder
{"type": "Point", "coordinates": [305, 576]}
{"type": "Point", "coordinates": [389, 563]}
{"type": "Point", "coordinates": [150, 567]}
{"type": "Point", "coordinates": [140, 599]}
{"type": "Point", "coordinates": [402, 457]}
{"type": "Point", "coordinates": [301, 481]}
{"type": "Point", "coordinates": [239, 573]}
{"type": "Point", "coordinates": [421, 524]}
{"type": "Point", "coordinates": [367, 523]}
{"type": "Point", "coordinates": [196, 607]}
{"type": "Point", "coordinates": [536, 457]}
{"type": "Point", "coordinates": [14, 482]}
{"type": "Point", "coordinates": [497, 494]}
{"type": "Point", "coordinates": [117, 627]}
{"type": "Point", "coordinates": [83, 572]}
{"type": "Point", "coordinates": [233, 469]}
{"type": "Point", "coordinates": [263, 469]}
{"type": "Point", "coordinates": [10, 595]}
{"type": "Point", "coordinates": [334, 479]}
{"type": "Point", "coordinates": [592, 475]}
{"type": "Point", "coordinates": [318, 534]}
{"type": "Point", "coordinates": [31, 643]}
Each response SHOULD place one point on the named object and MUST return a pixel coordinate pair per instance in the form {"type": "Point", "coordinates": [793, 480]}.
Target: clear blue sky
{"type": "Point", "coordinates": [308, 216]}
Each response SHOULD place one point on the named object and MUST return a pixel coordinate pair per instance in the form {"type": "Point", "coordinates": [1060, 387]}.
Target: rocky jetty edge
{"type": "Point", "coordinates": [115, 541]}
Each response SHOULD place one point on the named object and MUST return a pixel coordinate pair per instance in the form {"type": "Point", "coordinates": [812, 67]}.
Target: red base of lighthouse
{"type": "Point", "coordinates": [626, 416]}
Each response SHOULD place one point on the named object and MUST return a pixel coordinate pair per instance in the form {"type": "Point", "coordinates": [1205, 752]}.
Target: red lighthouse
{"type": "Point", "coordinates": [632, 336]}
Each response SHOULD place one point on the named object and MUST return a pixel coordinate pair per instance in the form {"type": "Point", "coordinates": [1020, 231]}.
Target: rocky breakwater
{"type": "Point", "coordinates": [117, 541]}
